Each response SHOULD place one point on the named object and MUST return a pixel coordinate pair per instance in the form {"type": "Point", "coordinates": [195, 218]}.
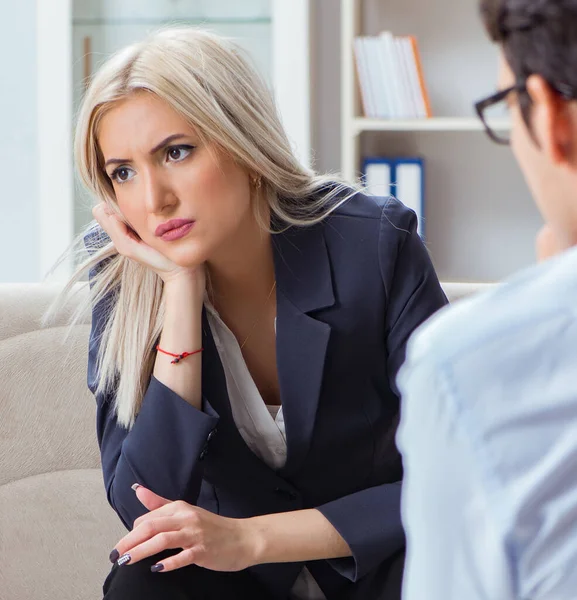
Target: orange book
{"type": "Point", "coordinates": [421, 73]}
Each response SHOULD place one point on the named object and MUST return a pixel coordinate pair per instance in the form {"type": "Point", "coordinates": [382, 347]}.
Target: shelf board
{"type": "Point", "coordinates": [361, 124]}
{"type": "Point", "coordinates": [168, 20]}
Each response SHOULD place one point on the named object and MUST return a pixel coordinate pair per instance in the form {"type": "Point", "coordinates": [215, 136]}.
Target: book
{"type": "Point", "coordinates": [394, 82]}
{"type": "Point", "coordinates": [361, 60]}
{"type": "Point", "coordinates": [409, 105]}
{"type": "Point", "coordinates": [378, 83]}
{"type": "Point", "coordinates": [413, 76]}
{"type": "Point", "coordinates": [384, 74]}
{"type": "Point", "coordinates": [421, 75]}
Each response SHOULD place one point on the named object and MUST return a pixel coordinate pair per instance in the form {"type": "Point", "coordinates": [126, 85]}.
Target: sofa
{"type": "Point", "coordinates": [56, 527]}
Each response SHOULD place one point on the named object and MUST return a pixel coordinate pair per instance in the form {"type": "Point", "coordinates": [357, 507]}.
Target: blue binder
{"type": "Point", "coordinates": [403, 178]}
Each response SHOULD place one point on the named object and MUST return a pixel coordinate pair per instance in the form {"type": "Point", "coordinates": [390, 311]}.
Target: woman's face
{"type": "Point", "coordinates": [160, 171]}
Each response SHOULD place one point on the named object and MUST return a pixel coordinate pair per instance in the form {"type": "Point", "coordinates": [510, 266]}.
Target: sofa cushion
{"type": "Point", "coordinates": [56, 530]}
{"type": "Point", "coordinates": [23, 304]}
{"type": "Point", "coordinates": [459, 290]}
{"type": "Point", "coordinates": [46, 410]}
{"type": "Point", "coordinates": [56, 527]}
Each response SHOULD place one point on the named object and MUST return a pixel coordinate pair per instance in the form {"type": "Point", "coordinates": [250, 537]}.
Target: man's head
{"type": "Point", "coordinates": [538, 39]}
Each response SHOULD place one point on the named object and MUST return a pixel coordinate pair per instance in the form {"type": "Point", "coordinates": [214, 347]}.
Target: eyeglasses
{"type": "Point", "coordinates": [484, 106]}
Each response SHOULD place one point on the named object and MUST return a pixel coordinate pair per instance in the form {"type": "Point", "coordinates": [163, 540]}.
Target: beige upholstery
{"type": "Point", "coordinates": [56, 528]}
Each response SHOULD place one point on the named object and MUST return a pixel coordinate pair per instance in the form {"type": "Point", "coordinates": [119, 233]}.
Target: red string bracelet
{"type": "Point", "coordinates": [178, 357]}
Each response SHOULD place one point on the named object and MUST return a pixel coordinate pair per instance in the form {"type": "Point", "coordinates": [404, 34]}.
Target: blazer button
{"type": "Point", "coordinates": [211, 435]}
{"type": "Point", "coordinates": [286, 493]}
{"type": "Point", "coordinates": [203, 453]}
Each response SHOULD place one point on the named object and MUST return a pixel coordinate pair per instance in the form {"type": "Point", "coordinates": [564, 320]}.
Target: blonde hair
{"type": "Point", "coordinates": [210, 83]}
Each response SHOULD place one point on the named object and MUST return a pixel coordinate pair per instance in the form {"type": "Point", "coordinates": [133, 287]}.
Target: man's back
{"type": "Point", "coordinates": [489, 439]}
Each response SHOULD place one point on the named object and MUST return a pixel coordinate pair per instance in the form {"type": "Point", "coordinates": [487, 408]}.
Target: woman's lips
{"type": "Point", "coordinates": [172, 224]}
{"type": "Point", "coordinates": [176, 234]}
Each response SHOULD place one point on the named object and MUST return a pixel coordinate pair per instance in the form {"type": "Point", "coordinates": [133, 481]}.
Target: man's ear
{"type": "Point", "coordinates": [551, 121]}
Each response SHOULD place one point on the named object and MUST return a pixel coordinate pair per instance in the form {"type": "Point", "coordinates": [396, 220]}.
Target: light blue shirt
{"type": "Point", "coordinates": [489, 441]}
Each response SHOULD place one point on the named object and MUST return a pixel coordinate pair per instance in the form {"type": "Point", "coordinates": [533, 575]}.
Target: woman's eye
{"type": "Point", "coordinates": [178, 153]}
{"type": "Point", "coordinates": [121, 175]}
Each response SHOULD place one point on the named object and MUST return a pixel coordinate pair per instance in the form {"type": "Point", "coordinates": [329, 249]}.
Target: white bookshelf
{"type": "Point", "coordinates": [360, 124]}
{"type": "Point", "coordinates": [353, 124]}
{"type": "Point", "coordinates": [480, 220]}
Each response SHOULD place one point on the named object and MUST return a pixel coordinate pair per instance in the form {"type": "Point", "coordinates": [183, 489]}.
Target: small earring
{"type": "Point", "coordinates": [257, 182]}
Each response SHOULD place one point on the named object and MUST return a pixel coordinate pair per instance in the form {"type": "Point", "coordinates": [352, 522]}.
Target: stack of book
{"type": "Point", "coordinates": [391, 77]}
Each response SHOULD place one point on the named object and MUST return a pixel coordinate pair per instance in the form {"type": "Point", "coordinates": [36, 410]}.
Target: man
{"type": "Point", "coordinates": [489, 424]}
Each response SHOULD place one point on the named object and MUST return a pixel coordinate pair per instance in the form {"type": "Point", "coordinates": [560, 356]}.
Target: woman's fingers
{"type": "Point", "coordinates": [182, 559]}
{"type": "Point", "coordinates": [121, 235]}
{"type": "Point", "coordinates": [207, 540]}
{"type": "Point", "coordinates": [167, 510]}
{"type": "Point", "coordinates": [166, 518]}
{"type": "Point", "coordinates": [102, 213]}
{"type": "Point", "coordinates": [151, 500]}
{"type": "Point", "coordinates": [161, 526]}
{"type": "Point", "coordinates": [128, 243]}
{"type": "Point", "coordinates": [160, 542]}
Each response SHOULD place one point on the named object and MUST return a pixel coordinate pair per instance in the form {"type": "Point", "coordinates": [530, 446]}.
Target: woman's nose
{"type": "Point", "coordinates": [157, 195]}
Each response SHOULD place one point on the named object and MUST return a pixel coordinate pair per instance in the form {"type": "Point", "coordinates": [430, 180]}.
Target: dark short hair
{"type": "Point", "coordinates": [538, 37]}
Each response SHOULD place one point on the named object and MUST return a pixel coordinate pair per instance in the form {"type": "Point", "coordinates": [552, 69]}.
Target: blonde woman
{"type": "Point", "coordinates": [249, 318]}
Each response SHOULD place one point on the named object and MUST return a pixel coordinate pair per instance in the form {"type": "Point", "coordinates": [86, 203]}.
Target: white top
{"type": "Point", "coordinates": [261, 426]}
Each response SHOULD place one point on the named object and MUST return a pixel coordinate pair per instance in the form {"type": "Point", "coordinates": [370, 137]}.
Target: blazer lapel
{"type": "Point", "coordinates": [304, 285]}
{"type": "Point", "coordinates": [215, 393]}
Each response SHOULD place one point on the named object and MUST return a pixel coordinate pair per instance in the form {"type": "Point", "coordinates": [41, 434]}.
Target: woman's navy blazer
{"type": "Point", "coordinates": [350, 291]}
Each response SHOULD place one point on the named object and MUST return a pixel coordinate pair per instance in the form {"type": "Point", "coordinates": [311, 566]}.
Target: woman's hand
{"type": "Point", "coordinates": [207, 540]}
{"type": "Point", "coordinates": [130, 245]}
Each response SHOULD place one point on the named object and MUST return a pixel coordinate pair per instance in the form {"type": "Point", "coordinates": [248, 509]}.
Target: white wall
{"type": "Point", "coordinates": [326, 112]}
{"type": "Point", "coordinates": [291, 51]}
{"type": "Point", "coordinates": [54, 108]}
{"type": "Point", "coordinates": [19, 223]}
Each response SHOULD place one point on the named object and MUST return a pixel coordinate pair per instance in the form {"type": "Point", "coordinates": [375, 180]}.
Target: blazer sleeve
{"type": "Point", "coordinates": [162, 451]}
{"type": "Point", "coordinates": [370, 520]}
{"type": "Point", "coordinates": [411, 284]}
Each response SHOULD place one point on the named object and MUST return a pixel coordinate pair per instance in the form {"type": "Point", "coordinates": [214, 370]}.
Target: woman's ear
{"type": "Point", "coordinates": [551, 122]}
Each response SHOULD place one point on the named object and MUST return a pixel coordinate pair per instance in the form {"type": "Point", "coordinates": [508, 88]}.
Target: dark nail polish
{"type": "Point", "coordinates": [124, 559]}
{"type": "Point", "coordinates": [114, 556]}
{"type": "Point", "coordinates": [157, 567]}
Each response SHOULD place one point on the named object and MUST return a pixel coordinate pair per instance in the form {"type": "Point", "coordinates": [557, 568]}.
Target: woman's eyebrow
{"type": "Point", "coordinates": [160, 146]}
{"type": "Point", "coordinates": [165, 142]}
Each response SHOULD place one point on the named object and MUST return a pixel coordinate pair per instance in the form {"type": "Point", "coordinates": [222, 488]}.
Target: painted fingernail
{"type": "Point", "coordinates": [156, 568]}
{"type": "Point", "coordinates": [124, 559]}
{"type": "Point", "coordinates": [135, 486]}
{"type": "Point", "coordinates": [114, 555]}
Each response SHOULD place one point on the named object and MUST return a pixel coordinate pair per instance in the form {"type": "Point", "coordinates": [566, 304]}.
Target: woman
{"type": "Point", "coordinates": [249, 319]}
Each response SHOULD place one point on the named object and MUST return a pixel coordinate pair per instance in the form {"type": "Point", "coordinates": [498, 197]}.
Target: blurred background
{"type": "Point", "coordinates": [376, 88]}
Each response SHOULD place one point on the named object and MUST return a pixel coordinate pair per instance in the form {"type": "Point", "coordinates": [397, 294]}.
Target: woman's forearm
{"type": "Point", "coordinates": [295, 537]}
{"type": "Point", "coordinates": [182, 332]}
